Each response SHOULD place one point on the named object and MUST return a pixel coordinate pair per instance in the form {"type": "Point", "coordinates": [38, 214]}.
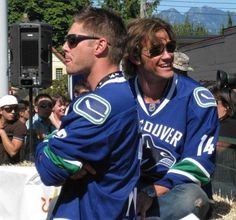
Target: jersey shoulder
{"type": "Point", "coordinates": [200, 95]}
{"type": "Point", "coordinates": [93, 107]}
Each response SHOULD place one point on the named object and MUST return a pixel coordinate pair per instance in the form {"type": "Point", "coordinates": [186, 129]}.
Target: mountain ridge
{"type": "Point", "coordinates": [211, 18]}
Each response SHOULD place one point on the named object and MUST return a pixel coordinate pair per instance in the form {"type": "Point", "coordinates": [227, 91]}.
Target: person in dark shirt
{"type": "Point", "coordinates": [12, 131]}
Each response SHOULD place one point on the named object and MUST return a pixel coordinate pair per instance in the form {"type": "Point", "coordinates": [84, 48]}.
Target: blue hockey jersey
{"type": "Point", "coordinates": [179, 134]}
{"type": "Point", "coordinates": [101, 128]}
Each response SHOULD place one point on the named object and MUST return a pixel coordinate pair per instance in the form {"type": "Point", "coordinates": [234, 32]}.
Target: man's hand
{"type": "Point", "coordinates": [86, 168]}
{"type": "Point", "coordinates": [161, 190]}
{"type": "Point", "coordinates": [144, 202]}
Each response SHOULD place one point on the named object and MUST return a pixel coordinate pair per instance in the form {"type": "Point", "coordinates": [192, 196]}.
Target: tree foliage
{"type": "Point", "coordinates": [230, 21]}
{"type": "Point", "coordinates": [188, 29]}
{"type": "Point", "coordinates": [57, 13]}
{"type": "Point", "coordinates": [129, 10]}
{"type": "Point", "coordinates": [59, 87]}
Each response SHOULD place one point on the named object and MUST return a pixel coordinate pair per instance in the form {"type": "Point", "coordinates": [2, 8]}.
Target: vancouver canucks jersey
{"type": "Point", "coordinates": [101, 128]}
{"type": "Point", "coordinates": [179, 134]}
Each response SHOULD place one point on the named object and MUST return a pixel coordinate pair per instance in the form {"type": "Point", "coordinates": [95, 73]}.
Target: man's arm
{"type": "Point", "coordinates": [196, 164]}
{"type": "Point", "coordinates": [13, 146]}
{"type": "Point", "coordinates": [160, 190]}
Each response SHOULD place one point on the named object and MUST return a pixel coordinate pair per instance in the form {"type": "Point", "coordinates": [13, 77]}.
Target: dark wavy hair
{"type": "Point", "coordinates": [141, 31]}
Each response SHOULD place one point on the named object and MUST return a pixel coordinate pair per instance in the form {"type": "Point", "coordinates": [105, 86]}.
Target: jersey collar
{"type": "Point", "coordinates": [163, 103]}
{"type": "Point", "coordinates": [111, 78]}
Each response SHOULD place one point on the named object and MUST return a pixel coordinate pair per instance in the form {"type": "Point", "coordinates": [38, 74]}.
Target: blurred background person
{"type": "Point", "coordinates": [81, 88]}
{"type": "Point", "coordinates": [58, 110]}
{"type": "Point", "coordinates": [226, 113]}
{"type": "Point", "coordinates": [41, 124]}
{"type": "Point", "coordinates": [224, 176]}
{"type": "Point", "coordinates": [181, 63]}
{"type": "Point", "coordinates": [23, 111]}
{"type": "Point", "coordinates": [23, 116]}
{"type": "Point", "coordinates": [12, 131]}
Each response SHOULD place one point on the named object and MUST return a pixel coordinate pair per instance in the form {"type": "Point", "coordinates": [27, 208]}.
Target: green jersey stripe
{"type": "Point", "coordinates": [192, 169]}
{"type": "Point", "coordinates": [71, 166]}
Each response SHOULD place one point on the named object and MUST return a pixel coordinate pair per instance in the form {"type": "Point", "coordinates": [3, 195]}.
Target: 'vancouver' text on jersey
{"type": "Point", "coordinates": [179, 134]}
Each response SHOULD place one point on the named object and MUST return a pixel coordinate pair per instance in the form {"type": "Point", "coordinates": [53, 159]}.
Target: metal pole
{"type": "Point", "coordinates": [3, 48]}
{"type": "Point", "coordinates": [31, 147]}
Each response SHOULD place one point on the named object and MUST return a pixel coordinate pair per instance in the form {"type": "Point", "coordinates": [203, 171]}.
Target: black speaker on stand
{"type": "Point", "coordinates": [30, 61]}
{"type": "Point", "coordinates": [31, 55]}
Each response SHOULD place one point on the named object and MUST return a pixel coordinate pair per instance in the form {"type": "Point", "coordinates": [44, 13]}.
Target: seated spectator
{"type": "Point", "coordinates": [12, 131]}
{"type": "Point", "coordinates": [171, 173]}
{"type": "Point", "coordinates": [181, 63]}
{"type": "Point", "coordinates": [59, 109]}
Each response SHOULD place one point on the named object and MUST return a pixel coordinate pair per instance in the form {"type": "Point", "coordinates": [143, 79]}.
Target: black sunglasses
{"type": "Point", "coordinates": [157, 49]}
{"type": "Point", "coordinates": [74, 39]}
{"type": "Point", "coordinates": [10, 109]}
{"type": "Point", "coordinates": [45, 104]}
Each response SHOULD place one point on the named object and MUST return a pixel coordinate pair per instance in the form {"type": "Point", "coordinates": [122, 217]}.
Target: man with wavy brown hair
{"type": "Point", "coordinates": [179, 125]}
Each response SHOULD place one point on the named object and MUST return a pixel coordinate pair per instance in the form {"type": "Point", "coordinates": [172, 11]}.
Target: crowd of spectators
{"type": "Point", "coordinates": [22, 128]}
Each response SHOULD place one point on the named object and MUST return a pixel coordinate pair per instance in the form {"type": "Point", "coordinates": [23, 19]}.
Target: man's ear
{"type": "Point", "coordinates": [36, 109]}
{"type": "Point", "coordinates": [101, 46]}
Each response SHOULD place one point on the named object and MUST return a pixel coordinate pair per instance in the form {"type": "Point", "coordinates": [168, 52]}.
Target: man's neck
{"type": "Point", "coordinates": [153, 91]}
{"type": "Point", "coordinates": [98, 73]}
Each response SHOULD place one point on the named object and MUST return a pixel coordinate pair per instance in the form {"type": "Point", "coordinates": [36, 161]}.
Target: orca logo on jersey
{"type": "Point", "coordinates": [203, 97]}
{"type": "Point", "coordinates": [154, 156]}
{"type": "Point", "coordinates": [93, 107]}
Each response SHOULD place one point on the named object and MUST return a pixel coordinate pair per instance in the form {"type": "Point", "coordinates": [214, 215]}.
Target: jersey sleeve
{"type": "Point", "coordinates": [198, 153]}
{"type": "Point", "coordinates": [84, 136]}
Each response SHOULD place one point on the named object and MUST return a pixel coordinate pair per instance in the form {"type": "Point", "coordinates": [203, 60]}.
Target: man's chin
{"type": "Point", "coordinates": [72, 73]}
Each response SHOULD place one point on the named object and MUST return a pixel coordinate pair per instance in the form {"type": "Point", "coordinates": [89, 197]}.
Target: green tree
{"type": "Point", "coordinates": [200, 31]}
{"type": "Point", "coordinates": [129, 10]}
{"type": "Point", "coordinates": [57, 13]}
{"type": "Point", "coordinates": [222, 29]}
{"type": "Point", "coordinates": [59, 87]}
{"type": "Point", "coordinates": [230, 22]}
{"type": "Point", "coordinates": [151, 6]}
{"type": "Point", "coordinates": [187, 29]}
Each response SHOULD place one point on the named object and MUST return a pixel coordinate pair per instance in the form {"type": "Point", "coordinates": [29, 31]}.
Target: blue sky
{"type": "Point", "coordinates": [183, 6]}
